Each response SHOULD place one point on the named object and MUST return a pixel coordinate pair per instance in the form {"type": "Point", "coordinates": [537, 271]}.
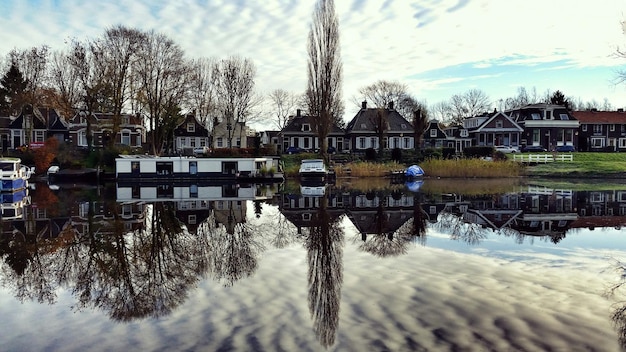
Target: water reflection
{"type": "Point", "coordinates": [138, 252]}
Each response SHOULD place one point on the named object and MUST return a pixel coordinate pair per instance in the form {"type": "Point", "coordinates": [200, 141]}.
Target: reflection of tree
{"type": "Point", "coordinates": [143, 273]}
{"type": "Point", "coordinates": [470, 233]}
{"type": "Point", "coordinates": [618, 313]}
{"type": "Point", "coordinates": [233, 247]}
{"type": "Point", "coordinates": [324, 245]}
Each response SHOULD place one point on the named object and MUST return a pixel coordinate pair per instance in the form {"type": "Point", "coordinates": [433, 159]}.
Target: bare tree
{"type": "Point", "coordinates": [64, 79]}
{"type": "Point", "coordinates": [235, 92]}
{"type": "Point", "coordinates": [162, 73]}
{"type": "Point", "coordinates": [283, 103]}
{"type": "Point", "coordinates": [202, 89]}
{"type": "Point", "coordinates": [324, 72]}
{"type": "Point", "coordinates": [441, 111]}
{"type": "Point", "coordinates": [381, 93]}
{"type": "Point", "coordinates": [471, 103]}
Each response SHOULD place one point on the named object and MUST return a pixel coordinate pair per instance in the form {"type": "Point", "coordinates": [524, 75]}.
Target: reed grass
{"type": "Point", "coordinates": [471, 168]}
{"type": "Point", "coordinates": [367, 169]}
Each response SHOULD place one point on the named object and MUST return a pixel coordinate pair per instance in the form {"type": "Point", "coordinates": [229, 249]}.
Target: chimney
{"type": "Point", "coordinates": [297, 112]}
{"type": "Point", "coordinates": [364, 105]}
{"type": "Point", "coordinates": [620, 110]}
{"type": "Point", "coordinates": [391, 105]}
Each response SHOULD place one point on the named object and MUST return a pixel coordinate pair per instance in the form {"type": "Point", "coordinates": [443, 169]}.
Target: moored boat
{"type": "Point", "coordinates": [146, 168]}
{"type": "Point", "coordinates": [312, 168]}
{"type": "Point", "coordinates": [13, 175]}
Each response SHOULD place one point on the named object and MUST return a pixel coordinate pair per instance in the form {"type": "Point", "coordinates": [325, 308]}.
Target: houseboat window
{"type": "Point", "coordinates": [6, 166]}
{"type": "Point", "coordinates": [564, 116]}
{"type": "Point", "coordinates": [164, 168]}
{"type": "Point", "coordinates": [165, 191]}
{"type": "Point", "coordinates": [229, 167]}
{"type": "Point", "coordinates": [134, 167]}
{"type": "Point", "coordinates": [191, 127]}
{"type": "Point", "coordinates": [193, 167]}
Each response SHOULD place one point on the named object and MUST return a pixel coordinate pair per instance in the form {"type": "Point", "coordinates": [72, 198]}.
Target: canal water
{"type": "Point", "coordinates": [500, 265]}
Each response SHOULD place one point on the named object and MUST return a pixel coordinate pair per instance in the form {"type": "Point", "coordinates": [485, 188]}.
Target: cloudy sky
{"type": "Point", "coordinates": [437, 47]}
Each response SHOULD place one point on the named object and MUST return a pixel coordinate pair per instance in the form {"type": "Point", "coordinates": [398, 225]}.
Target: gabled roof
{"type": "Point", "coordinates": [600, 117]}
{"type": "Point", "coordinates": [495, 115]}
{"type": "Point", "coordinates": [295, 125]}
{"type": "Point", "coordinates": [365, 120]}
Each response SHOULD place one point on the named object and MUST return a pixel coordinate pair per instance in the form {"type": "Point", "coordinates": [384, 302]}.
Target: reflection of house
{"type": "Point", "coordinates": [100, 126]}
{"type": "Point", "coordinates": [34, 125]}
{"type": "Point", "coordinates": [190, 133]}
{"type": "Point", "coordinates": [601, 130]}
{"type": "Point", "coordinates": [366, 127]}
{"type": "Point", "coordinates": [300, 132]}
{"type": "Point", "coordinates": [380, 213]}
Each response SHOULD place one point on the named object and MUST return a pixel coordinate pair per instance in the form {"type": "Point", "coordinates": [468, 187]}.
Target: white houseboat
{"type": "Point", "coordinates": [13, 175]}
{"type": "Point", "coordinates": [140, 168]}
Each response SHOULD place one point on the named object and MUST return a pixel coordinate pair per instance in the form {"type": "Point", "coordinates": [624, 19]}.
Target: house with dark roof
{"type": "Point", "coordinates": [230, 135]}
{"type": "Point", "coordinates": [435, 137]}
{"type": "Point", "coordinates": [99, 127]}
{"type": "Point", "coordinates": [271, 139]}
{"type": "Point", "coordinates": [365, 129]}
{"type": "Point", "coordinates": [458, 138]}
{"type": "Point", "coordinates": [34, 125]}
{"type": "Point", "coordinates": [546, 125]}
{"type": "Point", "coordinates": [601, 130]}
{"type": "Point", "coordinates": [299, 132]}
{"type": "Point", "coordinates": [190, 134]}
{"type": "Point", "coordinates": [491, 129]}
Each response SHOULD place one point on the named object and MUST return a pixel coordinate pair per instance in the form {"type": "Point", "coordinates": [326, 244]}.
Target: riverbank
{"type": "Point", "coordinates": [584, 165]}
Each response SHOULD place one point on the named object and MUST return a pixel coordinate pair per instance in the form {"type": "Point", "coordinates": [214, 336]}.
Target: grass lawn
{"type": "Point", "coordinates": [601, 165]}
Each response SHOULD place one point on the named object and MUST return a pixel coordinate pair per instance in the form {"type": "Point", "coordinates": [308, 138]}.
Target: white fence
{"type": "Point", "coordinates": [542, 158]}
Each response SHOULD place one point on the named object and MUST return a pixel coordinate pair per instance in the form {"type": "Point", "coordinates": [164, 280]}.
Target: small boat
{"type": "Point", "coordinates": [13, 175]}
{"type": "Point", "coordinates": [312, 168]}
{"type": "Point", "coordinates": [86, 175]}
{"type": "Point", "coordinates": [413, 171]}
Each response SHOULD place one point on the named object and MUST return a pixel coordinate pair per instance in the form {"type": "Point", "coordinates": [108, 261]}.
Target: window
{"type": "Point", "coordinates": [306, 127]}
{"type": "Point", "coordinates": [499, 124]}
{"type": "Point", "coordinates": [373, 143]}
{"type": "Point", "coordinates": [597, 142]}
{"type": "Point", "coordinates": [363, 126]}
{"type": "Point", "coordinates": [535, 116]}
{"type": "Point", "coordinates": [125, 137]}
{"type": "Point", "coordinates": [193, 143]}
{"type": "Point", "coordinates": [564, 116]}
{"type": "Point", "coordinates": [433, 132]}
{"type": "Point", "coordinates": [191, 127]}
{"type": "Point", "coordinates": [403, 126]}
{"type": "Point", "coordinates": [536, 136]}
{"type": "Point", "coordinates": [612, 127]}
{"type": "Point", "coordinates": [220, 142]}
{"type": "Point", "coordinates": [39, 136]}
{"type": "Point", "coordinates": [597, 128]}
{"type": "Point", "coordinates": [125, 120]}
{"type": "Point", "coordinates": [138, 142]}
{"type": "Point", "coordinates": [238, 142]}
{"type": "Point", "coordinates": [622, 143]}
{"type": "Point", "coordinates": [82, 138]}
{"type": "Point", "coordinates": [361, 142]}
{"type": "Point", "coordinates": [548, 115]}
{"type": "Point", "coordinates": [407, 143]}
{"type": "Point", "coordinates": [464, 133]}
{"type": "Point", "coordinates": [584, 127]}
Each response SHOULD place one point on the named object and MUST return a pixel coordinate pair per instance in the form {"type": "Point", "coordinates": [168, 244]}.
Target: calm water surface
{"type": "Point", "coordinates": [438, 266]}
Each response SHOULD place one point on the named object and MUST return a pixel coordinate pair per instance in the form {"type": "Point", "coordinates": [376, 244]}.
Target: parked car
{"type": "Point", "coordinates": [201, 150]}
{"type": "Point", "coordinates": [295, 150]}
{"type": "Point", "coordinates": [506, 149]}
{"type": "Point", "coordinates": [565, 148]}
{"type": "Point", "coordinates": [533, 149]}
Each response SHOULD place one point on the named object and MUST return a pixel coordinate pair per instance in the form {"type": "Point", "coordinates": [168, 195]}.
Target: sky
{"type": "Point", "coordinates": [438, 48]}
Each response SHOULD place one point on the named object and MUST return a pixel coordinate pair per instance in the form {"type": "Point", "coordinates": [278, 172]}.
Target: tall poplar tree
{"type": "Point", "coordinates": [323, 94]}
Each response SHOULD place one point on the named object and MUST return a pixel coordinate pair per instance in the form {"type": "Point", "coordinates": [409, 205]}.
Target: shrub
{"type": "Point", "coordinates": [448, 153]}
{"type": "Point", "coordinates": [477, 152]}
{"type": "Point", "coordinates": [396, 155]}
{"type": "Point", "coordinates": [370, 154]}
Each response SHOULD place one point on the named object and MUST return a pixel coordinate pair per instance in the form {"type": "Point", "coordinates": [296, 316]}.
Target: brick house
{"type": "Point", "coordinates": [99, 126]}
{"type": "Point", "coordinates": [546, 125]}
{"type": "Point", "coordinates": [601, 130]}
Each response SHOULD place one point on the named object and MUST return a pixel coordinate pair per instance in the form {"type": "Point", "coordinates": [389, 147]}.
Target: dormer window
{"type": "Point", "coordinates": [306, 127]}
{"type": "Point", "coordinates": [535, 116]}
{"type": "Point", "coordinates": [548, 115]}
{"type": "Point", "coordinates": [191, 127]}
{"type": "Point", "coordinates": [564, 116]}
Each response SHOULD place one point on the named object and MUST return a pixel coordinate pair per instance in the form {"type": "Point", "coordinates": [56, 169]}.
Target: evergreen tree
{"type": "Point", "coordinates": [558, 98]}
{"type": "Point", "coordinates": [12, 89]}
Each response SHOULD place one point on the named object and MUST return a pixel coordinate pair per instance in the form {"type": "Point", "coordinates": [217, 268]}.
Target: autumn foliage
{"type": "Point", "coordinates": [44, 155]}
